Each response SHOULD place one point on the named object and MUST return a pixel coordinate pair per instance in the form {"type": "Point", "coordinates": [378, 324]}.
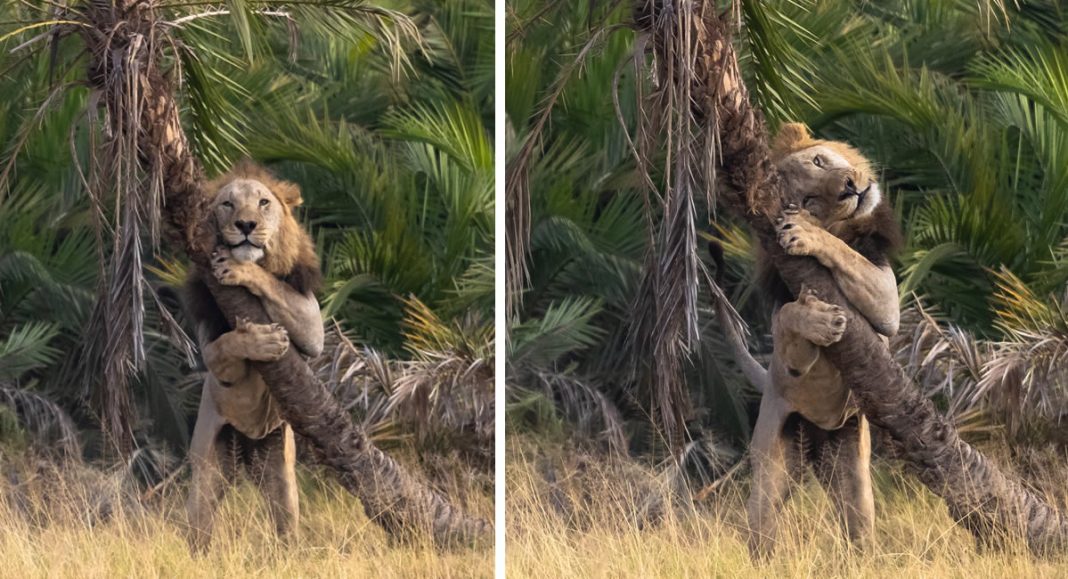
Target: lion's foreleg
{"type": "Point", "coordinates": [298, 313]}
{"type": "Point", "coordinates": [872, 289]}
{"type": "Point", "coordinates": [225, 359]}
{"type": "Point", "coordinates": [227, 356]}
{"type": "Point", "coordinates": [771, 457]}
{"type": "Point", "coordinates": [844, 469]}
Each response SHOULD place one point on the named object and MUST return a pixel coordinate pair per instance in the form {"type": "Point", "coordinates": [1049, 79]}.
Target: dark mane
{"type": "Point", "coordinates": [200, 306]}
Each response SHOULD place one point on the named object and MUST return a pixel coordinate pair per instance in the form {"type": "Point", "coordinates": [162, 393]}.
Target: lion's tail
{"type": "Point", "coordinates": [751, 369]}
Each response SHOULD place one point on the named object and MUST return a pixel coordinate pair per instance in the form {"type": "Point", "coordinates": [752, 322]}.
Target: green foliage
{"type": "Point", "coordinates": [962, 106]}
{"type": "Point", "coordinates": [380, 114]}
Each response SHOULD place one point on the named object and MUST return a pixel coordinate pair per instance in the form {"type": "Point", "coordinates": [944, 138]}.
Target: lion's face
{"type": "Point", "coordinates": [829, 179]}
{"type": "Point", "coordinates": [248, 216]}
{"type": "Point", "coordinates": [252, 215]}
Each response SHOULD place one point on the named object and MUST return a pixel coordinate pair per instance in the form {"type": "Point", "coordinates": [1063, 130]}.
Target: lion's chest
{"type": "Point", "coordinates": [247, 405]}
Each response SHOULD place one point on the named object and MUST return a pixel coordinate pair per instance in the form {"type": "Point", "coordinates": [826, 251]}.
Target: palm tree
{"type": "Point", "coordinates": [138, 58]}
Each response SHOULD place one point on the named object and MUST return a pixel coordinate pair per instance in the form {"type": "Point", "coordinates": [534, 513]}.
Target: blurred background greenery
{"type": "Point", "coordinates": [389, 138]}
{"type": "Point", "coordinates": [963, 107]}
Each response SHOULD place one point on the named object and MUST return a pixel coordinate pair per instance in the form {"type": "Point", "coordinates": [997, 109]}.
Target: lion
{"type": "Point", "coordinates": [840, 217]}
{"type": "Point", "coordinates": [261, 247]}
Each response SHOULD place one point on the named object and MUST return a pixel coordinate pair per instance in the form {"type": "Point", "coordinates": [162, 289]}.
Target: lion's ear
{"type": "Point", "coordinates": [288, 193]}
{"type": "Point", "coordinates": [790, 136]}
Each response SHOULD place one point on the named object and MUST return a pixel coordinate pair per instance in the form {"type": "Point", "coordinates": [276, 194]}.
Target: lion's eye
{"type": "Point", "coordinates": [817, 161]}
{"type": "Point", "coordinates": [265, 202]}
{"type": "Point", "coordinates": [227, 205]}
{"type": "Point", "coordinates": [808, 200]}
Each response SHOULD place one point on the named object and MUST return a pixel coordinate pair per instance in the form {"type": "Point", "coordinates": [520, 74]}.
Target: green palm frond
{"type": "Point", "coordinates": [453, 128]}
{"type": "Point", "coordinates": [564, 328]}
{"type": "Point", "coordinates": [1039, 72]}
{"type": "Point", "coordinates": [26, 347]}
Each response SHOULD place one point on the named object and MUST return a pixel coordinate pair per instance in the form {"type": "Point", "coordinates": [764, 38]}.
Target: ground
{"type": "Point", "coordinates": [585, 525]}
{"type": "Point", "coordinates": [61, 540]}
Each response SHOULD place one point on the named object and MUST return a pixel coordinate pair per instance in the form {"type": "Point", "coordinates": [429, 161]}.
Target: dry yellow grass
{"type": "Point", "coordinates": [915, 535]}
{"type": "Point", "coordinates": [337, 540]}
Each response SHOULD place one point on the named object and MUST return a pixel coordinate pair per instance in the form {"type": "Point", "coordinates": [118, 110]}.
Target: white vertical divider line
{"type": "Point", "coordinates": [500, 337]}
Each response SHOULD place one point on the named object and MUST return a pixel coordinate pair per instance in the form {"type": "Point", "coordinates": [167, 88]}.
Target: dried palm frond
{"type": "Point", "coordinates": [440, 392]}
{"type": "Point", "coordinates": [449, 380]}
{"type": "Point", "coordinates": [48, 425]}
{"type": "Point", "coordinates": [1027, 369]}
{"type": "Point", "coordinates": [701, 468]}
{"type": "Point", "coordinates": [1016, 380]}
{"type": "Point", "coordinates": [941, 357]}
{"type": "Point", "coordinates": [592, 413]}
{"type": "Point", "coordinates": [673, 118]}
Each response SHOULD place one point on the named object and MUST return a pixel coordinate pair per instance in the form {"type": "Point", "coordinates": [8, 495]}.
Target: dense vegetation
{"type": "Point", "coordinates": [382, 117]}
{"type": "Point", "coordinates": [962, 106]}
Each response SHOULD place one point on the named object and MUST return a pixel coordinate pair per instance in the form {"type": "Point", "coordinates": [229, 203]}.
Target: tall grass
{"type": "Point", "coordinates": [50, 526]}
{"type": "Point", "coordinates": [585, 523]}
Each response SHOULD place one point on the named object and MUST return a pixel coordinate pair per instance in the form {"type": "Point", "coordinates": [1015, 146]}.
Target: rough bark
{"type": "Point", "coordinates": [990, 504]}
{"type": "Point", "coordinates": [391, 496]}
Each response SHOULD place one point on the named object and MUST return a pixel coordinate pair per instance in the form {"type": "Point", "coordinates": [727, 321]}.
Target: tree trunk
{"type": "Point", "coordinates": [391, 497]}
{"type": "Point", "coordinates": [979, 495]}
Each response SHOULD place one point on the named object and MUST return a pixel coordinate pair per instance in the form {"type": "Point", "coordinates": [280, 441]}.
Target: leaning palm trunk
{"type": "Point", "coordinates": [979, 495]}
{"type": "Point", "coordinates": [126, 68]}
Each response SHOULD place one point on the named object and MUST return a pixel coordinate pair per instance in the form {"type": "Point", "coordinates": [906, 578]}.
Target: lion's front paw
{"type": "Point", "coordinates": [264, 342]}
{"type": "Point", "coordinates": [798, 233]}
{"type": "Point", "coordinates": [824, 323]}
{"type": "Point", "coordinates": [230, 271]}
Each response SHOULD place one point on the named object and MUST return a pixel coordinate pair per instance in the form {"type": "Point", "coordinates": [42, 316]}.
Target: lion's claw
{"type": "Point", "coordinates": [265, 342]}
{"type": "Point", "coordinates": [797, 233]}
{"type": "Point", "coordinates": [824, 323]}
{"type": "Point", "coordinates": [230, 271]}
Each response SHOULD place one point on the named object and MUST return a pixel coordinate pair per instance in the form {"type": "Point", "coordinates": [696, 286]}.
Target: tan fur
{"type": "Point", "coordinates": [838, 207]}
{"type": "Point", "coordinates": [271, 249]}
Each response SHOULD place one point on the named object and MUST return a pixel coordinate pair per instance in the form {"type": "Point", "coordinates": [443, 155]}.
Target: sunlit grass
{"type": "Point", "coordinates": [60, 538]}
{"type": "Point", "coordinates": [585, 526]}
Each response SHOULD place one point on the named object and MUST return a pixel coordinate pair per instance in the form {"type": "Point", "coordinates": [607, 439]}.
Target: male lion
{"type": "Point", "coordinates": [261, 247]}
{"type": "Point", "coordinates": [806, 414]}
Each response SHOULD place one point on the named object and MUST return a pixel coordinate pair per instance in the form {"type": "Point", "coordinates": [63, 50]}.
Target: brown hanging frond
{"type": "Point", "coordinates": [672, 118]}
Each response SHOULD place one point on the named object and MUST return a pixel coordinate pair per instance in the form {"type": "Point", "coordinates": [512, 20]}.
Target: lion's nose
{"type": "Point", "coordinates": [850, 186]}
{"type": "Point", "coordinates": [245, 227]}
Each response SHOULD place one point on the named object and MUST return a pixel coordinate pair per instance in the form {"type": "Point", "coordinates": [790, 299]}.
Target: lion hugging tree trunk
{"type": "Point", "coordinates": [807, 416]}
{"type": "Point", "coordinates": [261, 247]}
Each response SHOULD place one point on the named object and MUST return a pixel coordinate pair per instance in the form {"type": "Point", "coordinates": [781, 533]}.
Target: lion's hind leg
{"type": "Point", "coordinates": [802, 327]}
{"type": "Point", "coordinates": [775, 462]}
{"type": "Point", "coordinates": [844, 469]}
{"type": "Point", "coordinates": [272, 467]}
{"type": "Point", "coordinates": [211, 475]}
